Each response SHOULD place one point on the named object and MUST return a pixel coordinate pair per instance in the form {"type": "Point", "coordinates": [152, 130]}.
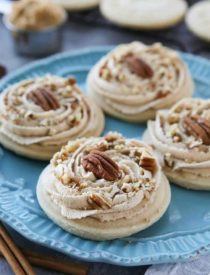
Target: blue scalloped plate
{"type": "Point", "coordinates": [184, 230]}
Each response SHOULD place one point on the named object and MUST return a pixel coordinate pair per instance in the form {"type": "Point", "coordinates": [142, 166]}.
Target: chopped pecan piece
{"type": "Point", "coordinates": [168, 161]}
{"type": "Point", "coordinates": [139, 66]}
{"type": "Point", "coordinates": [45, 98]}
{"type": "Point", "coordinates": [65, 180]}
{"type": "Point", "coordinates": [112, 136]}
{"type": "Point", "coordinates": [177, 137]}
{"type": "Point", "coordinates": [148, 162]}
{"type": "Point", "coordinates": [101, 165]}
{"type": "Point", "coordinates": [98, 201]}
{"type": "Point", "coordinates": [198, 127]}
{"type": "Point", "coordinates": [162, 94]}
{"type": "Point", "coordinates": [72, 81]}
{"type": "Point", "coordinates": [75, 104]}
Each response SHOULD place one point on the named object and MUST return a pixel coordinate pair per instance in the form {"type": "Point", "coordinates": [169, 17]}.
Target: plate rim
{"type": "Point", "coordinates": [102, 255]}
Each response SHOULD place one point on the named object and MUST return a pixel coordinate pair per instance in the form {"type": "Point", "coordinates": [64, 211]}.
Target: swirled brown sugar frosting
{"type": "Point", "coordinates": [134, 81]}
{"type": "Point", "coordinates": [181, 138]}
{"type": "Point", "coordinates": [104, 188]}
{"type": "Point", "coordinates": [38, 116]}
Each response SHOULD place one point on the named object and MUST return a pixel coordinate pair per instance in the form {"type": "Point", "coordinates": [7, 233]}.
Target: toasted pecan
{"type": "Point", "coordinates": [148, 162]}
{"type": "Point", "coordinates": [101, 165]}
{"type": "Point", "coordinates": [198, 127]}
{"type": "Point", "coordinates": [139, 66]}
{"type": "Point", "coordinates": [45, 98]}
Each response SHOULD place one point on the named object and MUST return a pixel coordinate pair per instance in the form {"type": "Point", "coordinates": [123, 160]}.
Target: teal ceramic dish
{"type": "Point", "coordinates": [182, 233]}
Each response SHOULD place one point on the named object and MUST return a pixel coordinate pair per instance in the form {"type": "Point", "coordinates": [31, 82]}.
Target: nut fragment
{"type": "Point", "coordinates": [105, 73]}
{"type": "Point", "coordinates": [148, 162]}
{"type": "Point", "coordinates": [168, 161]}
{"type": "Point", "coordinates": [66, 180]}
{"type": "Point", "coordinates": [162, 94]}
{"type": "Point", "coordinates": [101, 165]}
{"type": "Point", "coordinates": [198, 127]}
{"type": "Point", "coordinates": [139, 66]}
{"type": "Point", "coordinates": [173, 118]}
{"type": "Point", "coordinates": [177, 137]}
{"type": "Point", "coordinates": [98, 201]}
{"type": "Point", "coordinates": [71, 80]}
{"type": "Point", "coordinates": [112, 136]}
{"type": "Point", "coordinates": [45, 98]}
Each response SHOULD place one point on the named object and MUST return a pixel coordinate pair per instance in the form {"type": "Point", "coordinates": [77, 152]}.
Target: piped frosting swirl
{"type": "Point", "coordinates": [47, 111]}
{"type": "Point", "coordinates": [181, 137]}
{"type": "Point", "coordinates": [83, 191]}
{"type": "Point", "coordinates": [135, 78]}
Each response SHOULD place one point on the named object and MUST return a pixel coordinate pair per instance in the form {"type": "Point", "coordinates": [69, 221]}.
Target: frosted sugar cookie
{"type": "Point", "coordinates": [181, 138]}
{"type": "Point", "coordinates": [38, 116]}
{"type": "Point", "coordinates": [104, 188]}
{"type": "Point", "coordinates": [134, 80]}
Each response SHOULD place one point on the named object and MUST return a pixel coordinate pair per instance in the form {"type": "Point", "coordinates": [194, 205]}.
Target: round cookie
{"type": "Point", "coordinates": [144, 14]}
{"type": "Point", "coordinates": [98, 197]}
{"type": "Point", "coordinates": [77, 5]}
{"type": "Point", "coordinates": [39, 116]}
{"type": "Point", "coordinates": [181, 139]}
{"type": "Point", "coordinates": [198, 19]}
{"type": "Point", "coordinates": [134, 80]}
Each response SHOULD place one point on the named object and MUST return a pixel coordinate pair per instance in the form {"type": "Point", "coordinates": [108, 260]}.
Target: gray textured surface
{"type": "Point", "coordinates": [84, 30]}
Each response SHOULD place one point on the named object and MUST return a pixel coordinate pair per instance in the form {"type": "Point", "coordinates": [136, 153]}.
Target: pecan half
{"type": "Point", "coordinates": [198, 127]}
{"type": "Point", "coordinates": [101, 165]}
{"type": "Point", "coordinates": [139, 66]}
{"type": "Point", "coordinates": [45, 98]}
{"type": "Point", "coordinates": [148, 162]}
{"type": "Point", "coordinates": [98, 201]}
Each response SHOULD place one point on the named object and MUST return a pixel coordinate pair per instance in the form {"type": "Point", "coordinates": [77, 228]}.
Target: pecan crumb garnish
{"type": "Point", "coordinates": [75, 104]}
{"type": "Point", "coordinates": [98, 201]}
{"type": "Point", "coordinates": [139, 66]}
{"type": "Point", "coordinates": [45, 98]}
{"type": "Point", "coordinates": [177, 138]}
{"type": "Point", "coordinates": [173, 118]}
{"type": "Point", "coordinates": [101, 165]}
{"type": "Point", "coordinates": [198, 127]}
{"type": "Point", "coordinates": [105, 73]}
{"type": "Point", "coordinates": [71, 80]}
{"type": "Point", "coordinates": [111, 137]}
{"type": "Point", "coordinates": [148, 162]}
{"type": "Point", "coordinates": [168, 160]}
{"type": "Point", "coordinates": [65, 180]}
{"type": "Point", "coordinates": [102, 147]}
{"type": "Point", "coordinates": [162, 94]}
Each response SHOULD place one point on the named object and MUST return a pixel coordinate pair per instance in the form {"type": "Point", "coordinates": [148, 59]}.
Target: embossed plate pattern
{"type": "Point", "coordinates": [184, 230]}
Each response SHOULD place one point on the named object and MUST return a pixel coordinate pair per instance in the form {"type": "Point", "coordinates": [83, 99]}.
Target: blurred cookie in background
{"type": "Point", "coordinates": [198, 20]}
{"type": "Point", "coordinates": [76, 5]}
{"type": "Point", "coordinates": [144, 14]}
